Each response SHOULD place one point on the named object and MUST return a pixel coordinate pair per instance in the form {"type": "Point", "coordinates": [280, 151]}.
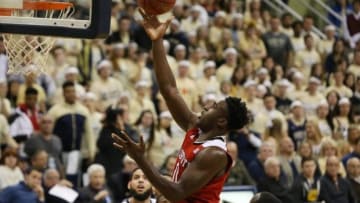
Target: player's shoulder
{"type": "Point", "coordinates": [211, 155]}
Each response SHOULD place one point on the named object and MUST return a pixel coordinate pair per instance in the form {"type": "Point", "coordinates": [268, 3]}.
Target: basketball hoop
{"type": "Point", "coordinates": [25, 51]}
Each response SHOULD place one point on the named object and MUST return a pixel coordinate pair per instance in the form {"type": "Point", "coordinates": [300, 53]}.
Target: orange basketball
{"type": "Point", "coordinates": [156, 7]}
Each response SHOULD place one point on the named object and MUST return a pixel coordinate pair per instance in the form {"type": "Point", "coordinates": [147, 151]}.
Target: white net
{"type": "Point", "coordinates": [26, 51]}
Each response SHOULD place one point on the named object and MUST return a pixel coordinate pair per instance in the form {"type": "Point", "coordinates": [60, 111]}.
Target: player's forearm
{"type": "Point", "coordinates": [164, 75]}
{"type": "Point", "coordinates": [172, 191]}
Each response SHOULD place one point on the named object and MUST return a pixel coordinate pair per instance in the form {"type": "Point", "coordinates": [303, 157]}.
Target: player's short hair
{"type": "Point", "coordinates": [238, 114]}
{"type": "Point", "coordinates": [31, 91]}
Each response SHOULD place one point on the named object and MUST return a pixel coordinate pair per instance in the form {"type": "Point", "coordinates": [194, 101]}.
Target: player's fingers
{"type": "Point", "coordinates": [118, 139]}
{"type": "Point", "coordinates": [143, 14]}
{"type": "Point", "coordinates": [118, 146]}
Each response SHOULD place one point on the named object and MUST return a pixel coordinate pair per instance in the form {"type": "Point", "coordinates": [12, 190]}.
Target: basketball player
{"type": "Point", "coordinates": [203, 164]}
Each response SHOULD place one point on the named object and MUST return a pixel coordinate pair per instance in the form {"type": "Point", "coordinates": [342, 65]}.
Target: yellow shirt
{"type": "Point", "coordinates": [255, 106]}
{"type": "Point", "coordinates": [224, 73]}
{"type": "Point", "coordinates": [196, 69]}
{"type": "Point", "coordinates": [355, 69]}
{"type": "Point", "coordinates": [298, 43]}
{"type": "Point", "coordinates": [188, 25]}
{"type": "Point", "coordinates": [310, 102]}
{"type": "Point", "coordinates": [262, 120]}
{"type": "Point", "coordinates": [107, 92]}
{"type": "Point", "coordinates": [137, 105]}
{"type": "Point", "coordinates": [305, 59]}
{"type": "Point", "coordinates": [205, 85]}
{"type": "Point", "coordinates": [325, 47]}
{"type": "Point", "coordinates": [188, 91]}
{"type": "Point", "coordinates": [343, 91]}
{"type": "Point", "coordinates": [254, 47]}
{"type": "Point", "coordinates": [215, 34]}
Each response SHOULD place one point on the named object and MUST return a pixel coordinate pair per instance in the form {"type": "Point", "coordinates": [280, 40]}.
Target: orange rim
{"type": "Point", "coordinates": [38, 6]}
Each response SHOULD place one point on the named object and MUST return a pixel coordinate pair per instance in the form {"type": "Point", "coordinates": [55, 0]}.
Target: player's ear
{"type": "Point", "coordinates": [222, 123]}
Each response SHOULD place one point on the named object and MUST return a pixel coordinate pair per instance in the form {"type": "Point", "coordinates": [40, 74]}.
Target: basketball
{"type": "Point", "coordinates": [156, 7]}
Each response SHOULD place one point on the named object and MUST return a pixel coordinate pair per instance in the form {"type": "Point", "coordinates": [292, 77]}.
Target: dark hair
{"type": "Point", "coordinates": [152, 127]}
{"type": "Point", "coordinates": [68, 84]}
{"type": "Point", "coordinates": [110, 115]}
{"type": "Point", "coordinates": [296, 23]}
{"type": "Point", "coordinates": [56, 47]}
{"type": "Point", "coordinates": [357, 141]}
{"type": "Point", "coordinates": [31, 91]}
{"type": "Point", "coordinates": [9, 152]}
{"type": "Point", "coordinates": [133, 171]}
{"type": "Point", "coordinates": [268, 95]}
{"type": "Point", "coordinates": [306, 159]}
{"type": "Point", "coordinates": [238, 114]}
{"type": "Point", "coordinates": [30, 169]}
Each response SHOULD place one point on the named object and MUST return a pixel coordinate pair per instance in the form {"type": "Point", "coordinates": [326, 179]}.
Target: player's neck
{"type": "Point", "coordinates": [209, 135]}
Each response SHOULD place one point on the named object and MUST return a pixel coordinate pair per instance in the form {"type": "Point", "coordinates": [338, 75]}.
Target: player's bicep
{"type": "Point", "coordinates": [181, 113]}
{"type": "Point", "coordinates": [202, 170]}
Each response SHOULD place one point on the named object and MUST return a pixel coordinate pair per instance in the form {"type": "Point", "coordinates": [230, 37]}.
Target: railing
{"type": "Point", "coordinates": [281, 7]}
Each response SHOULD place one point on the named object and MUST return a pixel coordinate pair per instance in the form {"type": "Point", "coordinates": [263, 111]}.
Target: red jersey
{"type": "Point", "coordinates": [210, 193]}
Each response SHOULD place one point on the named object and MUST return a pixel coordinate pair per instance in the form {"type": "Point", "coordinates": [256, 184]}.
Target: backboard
{"type": "Point", "coordinates": [85, 18]}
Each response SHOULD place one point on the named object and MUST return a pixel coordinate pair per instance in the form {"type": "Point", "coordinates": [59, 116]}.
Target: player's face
{"type": "Point", "coordinates": [211, 113]}
{"type": "Point", "coordinates": [139, 183]}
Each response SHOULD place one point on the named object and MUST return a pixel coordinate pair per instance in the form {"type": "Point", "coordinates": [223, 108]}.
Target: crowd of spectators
{"type": "Point", "coordinates": [303, 93]}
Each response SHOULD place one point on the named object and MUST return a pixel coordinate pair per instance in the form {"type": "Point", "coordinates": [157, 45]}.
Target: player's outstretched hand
{"type": "Point", "coordinates": [153, 27]}
{"type": "Point", "coordinates": [125, 143]}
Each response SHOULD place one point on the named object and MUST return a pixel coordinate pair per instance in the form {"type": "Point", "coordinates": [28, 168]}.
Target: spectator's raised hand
{"type": "Point", "coordinates": [39, 192]}
{"type": "Point", "coordinates": [153, 27]}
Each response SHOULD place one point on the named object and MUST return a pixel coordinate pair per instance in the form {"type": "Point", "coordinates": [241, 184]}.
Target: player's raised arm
{"type": "Point", "coordinates": [166, 81]}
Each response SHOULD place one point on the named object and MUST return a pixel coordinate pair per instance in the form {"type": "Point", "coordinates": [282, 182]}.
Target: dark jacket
{"type": "Point", "coordinates": [239, 175]}
{"type": "Point", "coordinates": [336, 193]}
{"type": "Point", "coordinates": [356, 188]}
{"type": "Point", "coordinates": [118, 186]}
{"type": "Point", "coordinates": [19, 193]}
{"type": "Point", "coordinates": [109, 156]}
{"type": "Point", "coordinates": [87, 194]}
{"type": "Point", "coordinates": [301, 187]}
{"type": "Point", "coordinates": [276, 188]}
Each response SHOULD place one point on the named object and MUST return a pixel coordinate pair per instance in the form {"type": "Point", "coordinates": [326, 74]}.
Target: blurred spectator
{"type": "Point", "coordinates": [334, 188]}
{"type": "Point", "coordinates": [193, 21]}
{"type": "Point", "coordinates": [5, 106]}
{"type": "Point", "coordinates": [338, 53]}
{"type": "Point", "coordinates": [252, 47]}
{"type": "Point", "coordinates": [254, 104]}
{"type": "Point", "coordinates": [286, 22]}
{"type": "Point", "coordinates": [312, 97]}
{"type": "Point", "coordinates": [140, 188]}
{"type": "Point", "coordinates": [208, 83]}
{"type": "Point", "coordinates": [217, 28]}
{"type": "Point", "coordinates": [290, 162]}
{"type": "Point", "coordinates": [352, 24]}
{"type": "Point", "coordinates": [118, 183]}
{"type": "Point", "coordinates": [272, 182]}
{"type": "Point", "coordinates": [342, 118]}
{"type": "Point", "coordinates": [5, 138]}
{"type": "Point", "coordinates": [278, 45]}
{"type": "Point", "coordinates": [328, 149]}
{"type": "Point", "coordinates": [313, 136]}
{"type": "Point", "coordinates": [72, 125]}
{"type": "Point", "coordinates": [45, 140]}
{"type": "Point", "coordinates": [256, 167]}
{"type": "Point", "coordinates": [25, 120]}
{"type": "Point", "coordinates": [123, 34]}
{"type": "Point", "coordinates": [355, 153]}
{"type": "Point", "coordinates": [9, 170]}
{"type": "Point", "coordinates": [163, 144]}
{"type": "Point", "coordinates": [283, 103]}
{"type": "Point", "coordinates": [341, 8]}
{"type": "Point", "coordinates": [297, 39]}
{"type": "Point", "coordinates": [29, 190]}
{"type": "Point", "coordinates": [248, 142]}
{"type": "Point", "coordinates": [89, 100]}
{"type": "Point", "coordinates": [40, 160]}
{"type": "Point", "coordinates": [169, 164]}
{"type": "Point", "coordinates": [274, 133]}
{"type": "Point", "coordinates": [325, 46]}
{"type": "Point", "coordinates": [304, 59]}
{"type": "Point", "coordinates": [353, 136]}
{"type": "Point", "coordinates": [298, 91]}
{"type": "Point", "coordinates": [339, 86]}
{"type": "Point", "coordinates": [322, 112]}
{"type": "Point", "coordinates": [306, 187]}
{"type": "Point", "coordinates": [355, 65]}
{"type": "Point", "coordinates": [108, 156]}
{"type": "Point", "coordinates": [30, 81]}
{"type": "Point", "coordinates": [225, 71]}
{"type": "Point", "coordinates": [51, 179]}
{"type": "Point", "coordinates": [238, 173]}
{"type": "Point", "coordinates": [13, 91]}
{"type": "Point", "coordinates": [353, 170]}
{"type": "Point", "coordinates": [262, 119]}
{"type": "Point", "coordinates": [96, 190]}
{"type": "Point", "coordinates": [296, 123]}
{"type": "Point", "coordinates": [106, 88]}
{"type": "Point", "coordinates": [176, 36]}
{"type": "Point", "coordinates": [308, 25]}
{"type": "Point", "coordinates": [140, 101]}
